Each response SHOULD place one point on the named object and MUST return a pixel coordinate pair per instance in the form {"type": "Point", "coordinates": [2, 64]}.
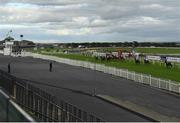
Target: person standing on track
{"type": "Point", "coordinates": [9, 67]}
{"type": "Point", "coordinates": [50, 66]}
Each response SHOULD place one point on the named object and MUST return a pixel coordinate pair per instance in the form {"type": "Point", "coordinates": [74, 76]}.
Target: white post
{"type": "Point", "coordinates": [115, 71]}
{"type": "Point", "coordinates": [104, 69]}
{"type": "Point", "coordinates": [134, 76]}
{"type": "Point", "coordinates": [159, 81]}
{"type": "Point", "coordinates": [150, 80]}
{"type": "Point", "coordinates": [142, 78]}
{"type": "Point", "coordinates": [166, 85]}
{"type": "Point", "coordinates": [120, 72]}
{"type": "Point", "coordinates": [127, 74]}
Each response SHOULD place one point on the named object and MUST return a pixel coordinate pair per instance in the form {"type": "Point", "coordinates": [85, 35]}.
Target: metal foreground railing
{"type": "Point", "coordinates": [136, 77]}
{"type": "Point", "coordinates": [41, 105]}
{"type": "Point", "coordinates": [10, 111]}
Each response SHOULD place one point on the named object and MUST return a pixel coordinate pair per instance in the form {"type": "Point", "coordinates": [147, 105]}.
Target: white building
{"type": "Point", "coordinates": [8, 48]}
{"type": "Point", "coordinates": [8, 45]}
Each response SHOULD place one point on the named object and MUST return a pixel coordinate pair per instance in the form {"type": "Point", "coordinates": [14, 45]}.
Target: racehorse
{"type": "Point", "coordinates": [137, 61]}
{"type": "Point", "coordinates": [146, 61]}
{"type": "Point", "coordinates": [168, 64]}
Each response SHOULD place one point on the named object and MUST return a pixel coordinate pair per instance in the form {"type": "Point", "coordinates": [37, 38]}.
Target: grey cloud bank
{"type": "Point", "coordinates": [90, 20]}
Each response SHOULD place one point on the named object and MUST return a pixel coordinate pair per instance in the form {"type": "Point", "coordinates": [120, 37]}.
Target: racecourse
{"type": "Point", "coordinates": [72, 84]}
{"type": "Point", "coordinates": [155, 69]}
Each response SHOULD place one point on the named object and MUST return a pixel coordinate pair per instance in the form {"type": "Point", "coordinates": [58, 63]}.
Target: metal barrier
{"type": "Point", "coordinates": [137, 77]}
{"type": "Point", "coordinates": [41, 105]}
{"type": "Point", "coordinates": [10, 111]}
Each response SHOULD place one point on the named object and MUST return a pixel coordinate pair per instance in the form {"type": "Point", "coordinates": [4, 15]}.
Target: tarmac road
{"type": "Point", "coordinates": [85, 80]}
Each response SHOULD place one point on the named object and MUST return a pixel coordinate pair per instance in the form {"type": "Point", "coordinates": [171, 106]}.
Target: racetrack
{"type": "Point", "coordinates": [72, 84]}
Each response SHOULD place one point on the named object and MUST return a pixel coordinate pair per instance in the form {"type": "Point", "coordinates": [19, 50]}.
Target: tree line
{"type": "Point", "coordinates": [123, 44]}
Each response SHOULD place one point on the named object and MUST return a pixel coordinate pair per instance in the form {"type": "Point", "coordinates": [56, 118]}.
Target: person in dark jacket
{"type": "Point", "coordinates": [50, 66]}
{"type": "Point", "coordinates": [9, 67]}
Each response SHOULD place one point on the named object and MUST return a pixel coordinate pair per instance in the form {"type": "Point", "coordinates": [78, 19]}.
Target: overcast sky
{"type": "Point", "coordinates": [91, 20]}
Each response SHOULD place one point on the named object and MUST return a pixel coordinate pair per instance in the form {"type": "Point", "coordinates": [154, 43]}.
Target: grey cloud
{"type": "Point", "coordinates": [138, 18]}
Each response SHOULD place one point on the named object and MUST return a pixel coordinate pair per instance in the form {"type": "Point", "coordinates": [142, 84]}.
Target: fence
{"type": "Point", "coordinates": [41, 105]}
{"type": "Point", "coordinates": [137, 77]}
{"type": "Point", "coordinates": [10, 111]}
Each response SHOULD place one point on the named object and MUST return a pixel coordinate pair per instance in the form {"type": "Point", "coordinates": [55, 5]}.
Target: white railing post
{"type": "Point", "coordinates": [127, 74]}
{"type": "Point", "coordinates": [159, 82]}
{"type": "Point", "coordinates": [142, 78]}
{"type": "Point", "coordinates": [167, 85]}
{"type": "Point", "coordinates": [150, 80]}
{"type": "Point", "coordinates": [115, 71]}
{"type": "Point", "coordinates": [139, 77]}
{"type": "Point", "coordinates": [120, 73]}
{"type": "Point", "coordinates": [134, 76]}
